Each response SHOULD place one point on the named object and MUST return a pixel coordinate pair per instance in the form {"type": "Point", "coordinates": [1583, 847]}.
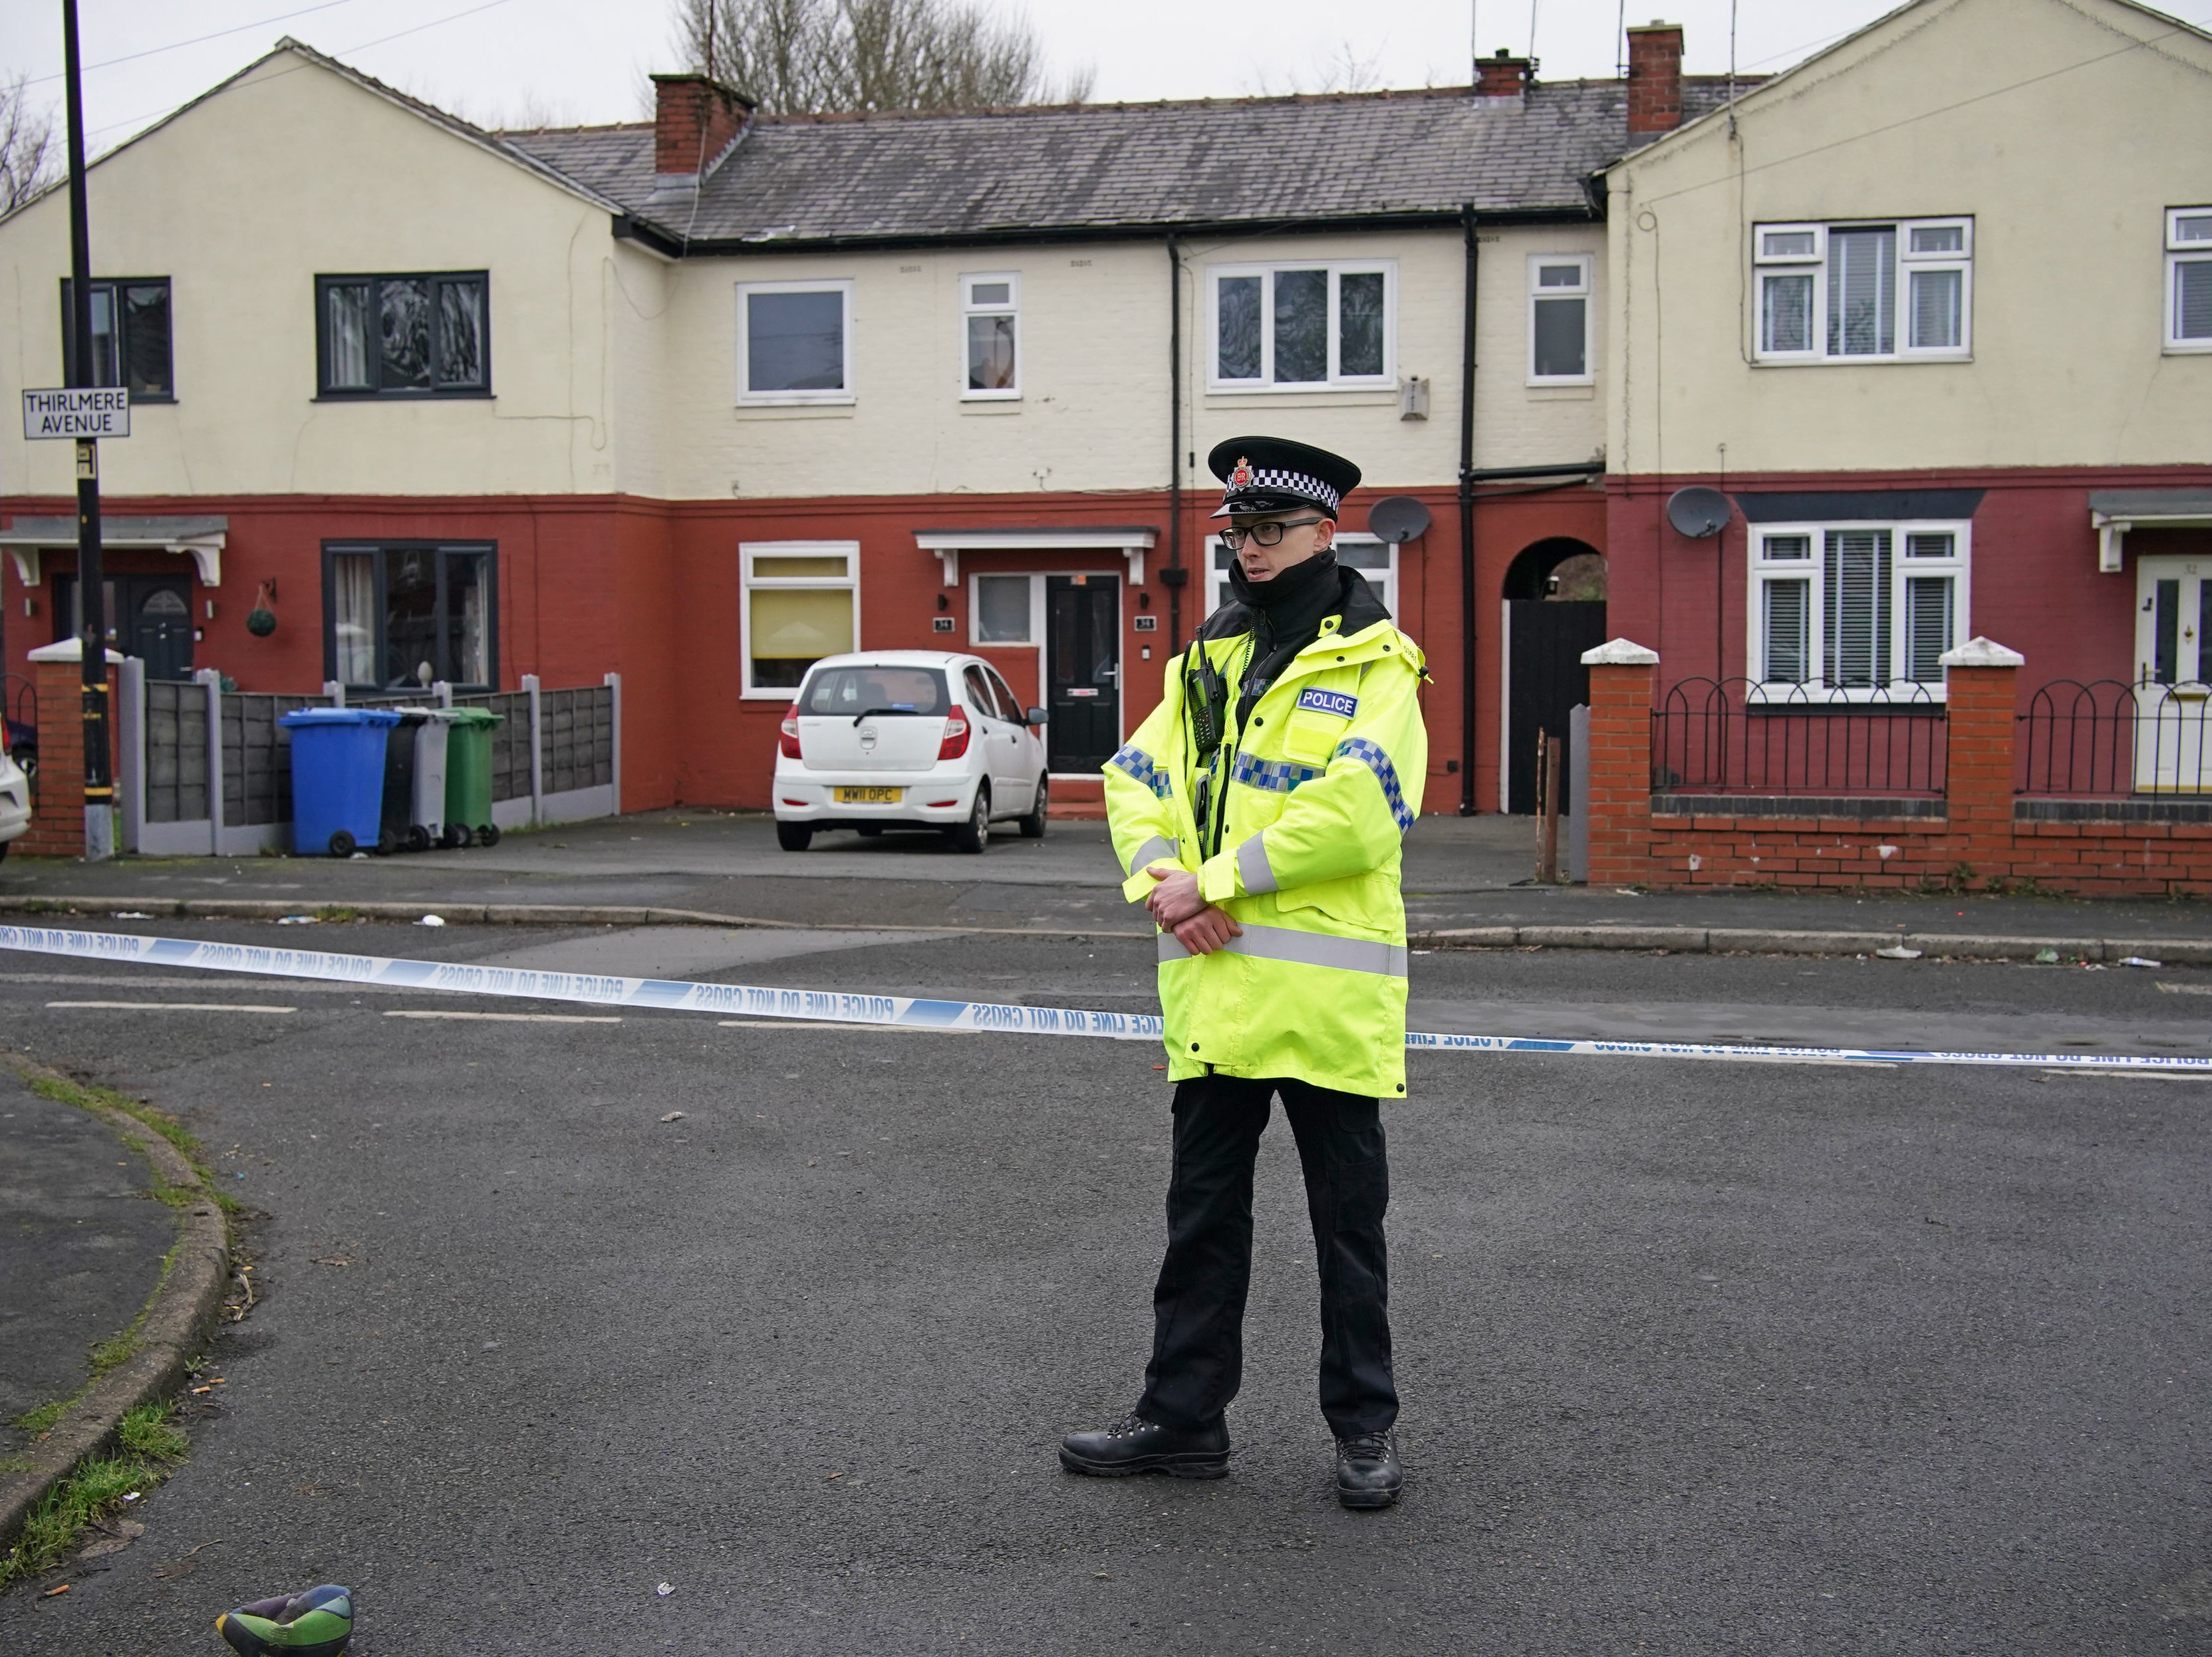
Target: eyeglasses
{"type": "Point", "coordinates": [1266, 535]}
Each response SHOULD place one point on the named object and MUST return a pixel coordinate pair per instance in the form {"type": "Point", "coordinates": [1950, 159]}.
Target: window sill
{"type": "Point", "coordinates": [1002, 405]}
{"type": "Point", "coordinates": [798, 400]}
{"type": "Point", "coordinates": [1937, 357]}
{"type": "Point", "coordinates": [2173, 348]}
{"type": "Point", "coordinates": [750, 412]}
{"type": "Point", "coordinates": [403, 397]}
{"type": "Point", "coordinates": [1561, 390]}
{"type": "Point", "coordinates": [142, 399]}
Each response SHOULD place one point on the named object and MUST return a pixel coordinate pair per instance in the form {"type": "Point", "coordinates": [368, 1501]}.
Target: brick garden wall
{"type": "Point", "coordinates": [57, 827]}
{"type": "Point", "coordinates": [1972, 838]}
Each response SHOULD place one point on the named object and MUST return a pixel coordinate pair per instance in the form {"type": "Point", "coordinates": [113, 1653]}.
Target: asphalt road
{"type": "Point", "coordinates": [1705, 1358]}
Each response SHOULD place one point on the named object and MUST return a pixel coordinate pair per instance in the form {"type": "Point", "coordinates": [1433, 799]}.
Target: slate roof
{"type": "Point", "coordinates": [1119, 168]}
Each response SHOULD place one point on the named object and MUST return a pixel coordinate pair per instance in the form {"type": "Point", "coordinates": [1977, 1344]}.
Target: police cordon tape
{"type": "Point", "coordinates": [913, 1012]}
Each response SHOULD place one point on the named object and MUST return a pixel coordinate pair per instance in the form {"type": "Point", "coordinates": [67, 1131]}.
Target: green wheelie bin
{"type": "Point", "coordinates": [468, 778]}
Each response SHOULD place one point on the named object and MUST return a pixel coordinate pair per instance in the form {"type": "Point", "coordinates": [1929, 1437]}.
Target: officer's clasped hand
{"type": "Point", "coordinates": [1176, 907]}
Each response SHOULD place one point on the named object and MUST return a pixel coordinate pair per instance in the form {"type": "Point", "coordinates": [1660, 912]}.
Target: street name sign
{"type": "Point", "coordinates": [78, 411]}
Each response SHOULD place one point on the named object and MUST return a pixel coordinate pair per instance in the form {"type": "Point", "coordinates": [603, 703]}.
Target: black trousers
{"type": "Point", "coordinates": [1198, 1331]}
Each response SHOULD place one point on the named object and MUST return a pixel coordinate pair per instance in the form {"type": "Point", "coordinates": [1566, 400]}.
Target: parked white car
{"type": "Point", "coordinates": [909, 739]}
{"type": "Point", "coordinates": [15, 803]}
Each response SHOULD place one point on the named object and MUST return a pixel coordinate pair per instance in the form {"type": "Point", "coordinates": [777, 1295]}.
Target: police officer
{"type": "Point", "coordinates": [1258, 813]}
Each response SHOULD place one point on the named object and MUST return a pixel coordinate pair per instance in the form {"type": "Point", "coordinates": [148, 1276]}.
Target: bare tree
{"type": "Point", "coordinates": [807, 56]}
{"type": "Point", "coordinates": [28, 155]}
{"type": "Point", "coordinates": [1341, 68]}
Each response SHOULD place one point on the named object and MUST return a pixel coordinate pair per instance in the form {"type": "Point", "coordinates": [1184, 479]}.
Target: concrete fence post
{"type": "Point", "coordinates": [1981, 688]}
{"type": "Point", "coordinates": [613, 682]}
{"type": "Point", "coordinates": [211, 681]}
{"type": "Point", "coordinates": [335, 691]}
{"type": "Point", "coordinates": [443, 691]}
{"type": "Point", "coordinates": [536, 752]}
{"type": "Point", "coordinates": [1619, 801]}
{"type": "Point", "coordinates": [130, 750]}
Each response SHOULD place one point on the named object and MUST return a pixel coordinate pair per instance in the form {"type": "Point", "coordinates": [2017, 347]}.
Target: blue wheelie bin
{"type": "Point", "coordinates": [338, 777]}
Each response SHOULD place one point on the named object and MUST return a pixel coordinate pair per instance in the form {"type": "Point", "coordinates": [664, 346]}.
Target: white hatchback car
{"type": "Point", "coordinates": [909, 739]}
{"type": "Point", "coordinates": [15, 803]}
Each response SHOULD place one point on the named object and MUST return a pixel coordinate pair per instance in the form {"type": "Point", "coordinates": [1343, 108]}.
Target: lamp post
{"type": "Point", "coordinates": [91, 583]}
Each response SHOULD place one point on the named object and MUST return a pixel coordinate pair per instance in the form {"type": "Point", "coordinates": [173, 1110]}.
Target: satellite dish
{"type": "Point", "coordinates": [1397, 518]}
{"type": "Point", "coordinates": [1697, 512]}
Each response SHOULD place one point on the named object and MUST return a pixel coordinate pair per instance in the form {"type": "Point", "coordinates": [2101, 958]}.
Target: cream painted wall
{"type": "Point", "coordinates": [240, 201]}
{"type": "Point", "coordinates": [1093, 414]}
{"type": "Point", "coordinates": [2065, 128]}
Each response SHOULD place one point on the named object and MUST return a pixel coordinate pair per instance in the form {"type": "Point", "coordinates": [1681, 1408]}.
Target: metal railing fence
{"type": "Point", "coordinates": [1738, 736]}
{"type": "Point", "coordinates": [2106, 739]}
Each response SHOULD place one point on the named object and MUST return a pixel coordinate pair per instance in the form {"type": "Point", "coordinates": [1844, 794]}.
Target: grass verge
{"type": "Point", "coordinates": [151, 1446]}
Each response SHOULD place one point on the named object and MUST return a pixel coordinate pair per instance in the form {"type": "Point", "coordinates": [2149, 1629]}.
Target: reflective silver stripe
{"type": "Point", "coordinates": [1258, 874]}
{"type": "Point", "coordinates": [1352, 955]}
{"type": "Point", "coordinates": [1154, 850]}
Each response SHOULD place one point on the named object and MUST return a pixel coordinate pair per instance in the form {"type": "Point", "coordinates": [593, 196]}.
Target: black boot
{"type": "Point", "coordinates": [1134, 1445]}
{"type": "Point", "coordinates": [1367, 1470]}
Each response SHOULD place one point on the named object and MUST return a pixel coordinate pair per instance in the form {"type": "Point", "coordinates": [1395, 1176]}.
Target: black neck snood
{"type": "Point", "coordinates": [1288, 614]}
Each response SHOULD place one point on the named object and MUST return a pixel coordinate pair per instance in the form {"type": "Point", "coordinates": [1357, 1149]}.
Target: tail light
{"type": "Point", "coordinates": [787, 743]}
{"type": "Point", "coordinates": [956, 734]}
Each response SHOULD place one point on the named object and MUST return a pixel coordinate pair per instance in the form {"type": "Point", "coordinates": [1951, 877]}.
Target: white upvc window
{"type": "Point", "coordinates": [795, 342]}
{"type": "Point", "coordinates": [1560, 319]}
{"type": "Point", "coordinates": [1302, 326]}
{"type": "Point", "coordinates": [800, 602]}
{"type": "Point", "coordinates": [1856, 609]}
{"type": "Point", "coordinates": [2189, 279]}
{"type": "Point", "coordinates": [1893, 292]}
{"type": "Point", "coordinates": [990, 337]}
{"type": "Point", "coordinates": [1374, 558]}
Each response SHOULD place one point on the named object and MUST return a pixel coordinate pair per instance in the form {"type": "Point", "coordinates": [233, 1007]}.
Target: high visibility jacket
{"type": "Point", "coordinates": [1311, 799]}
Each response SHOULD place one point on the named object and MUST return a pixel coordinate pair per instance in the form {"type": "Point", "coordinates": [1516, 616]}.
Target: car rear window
{"type": "Point", "coordinates": [853, 691]}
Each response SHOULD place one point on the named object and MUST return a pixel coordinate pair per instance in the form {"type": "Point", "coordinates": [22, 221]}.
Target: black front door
{"type": "Point", "coordinates": [1083, 670]}
{"type": "Point", "coordinates": [1545, 638]}
{"type": "Point", "coordinates": [148, 616]}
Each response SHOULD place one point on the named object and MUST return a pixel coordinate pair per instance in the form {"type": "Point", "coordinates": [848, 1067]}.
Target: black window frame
{"type": "Point", "coordinates": [114, 285]}
{"type": "Point", "coordinates": [327, 393]}
{"type": "Point", "coordinates": [487, 550]}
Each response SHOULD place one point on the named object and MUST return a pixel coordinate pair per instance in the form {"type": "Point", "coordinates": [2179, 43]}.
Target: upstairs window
{"type": "Point", "coordinates": [425, 335]}
{"type": "Point", "coordinates": [990, 314]}
{"type": "Point", "coordinates": [1303, 327]}
{"type": "Point", "coordinates": [129, 335]}
{"type": "Point", "coordinates": [1880, 292]}
{"type": "Point", "coordinates": [2189, 279]}
{"type": "Point", "coordinates": [1560, 319]}
{"type": "Point", "coordinates": [1857, 608]}
{"type": "Point", "coordinates": [794, 342]}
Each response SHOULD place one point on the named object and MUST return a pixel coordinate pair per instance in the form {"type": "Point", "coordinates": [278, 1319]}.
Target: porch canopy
{"type": "Point", "coordinates": [2113, 513]}
{"type": "Point", "coordinates": [1133, 542]}
{"type": "Point", "coordinates": [201, 538]}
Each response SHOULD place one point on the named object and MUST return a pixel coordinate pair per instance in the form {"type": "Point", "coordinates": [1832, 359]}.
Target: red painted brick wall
{"type": "Point", "coordinates": [1976, 845]}
{"type": "Point", "coordinates": [57, 827]}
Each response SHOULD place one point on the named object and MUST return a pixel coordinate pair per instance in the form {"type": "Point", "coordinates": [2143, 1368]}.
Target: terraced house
{"type": "Point", "coordinates": [701, 399]}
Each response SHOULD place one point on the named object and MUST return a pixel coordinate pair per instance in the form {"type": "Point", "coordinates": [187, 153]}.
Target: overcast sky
{"type": "Point", "coordinates": [508, 61]}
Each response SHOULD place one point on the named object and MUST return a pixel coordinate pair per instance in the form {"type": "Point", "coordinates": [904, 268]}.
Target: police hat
{"type": "Point", "coordinates": [1271, 474]}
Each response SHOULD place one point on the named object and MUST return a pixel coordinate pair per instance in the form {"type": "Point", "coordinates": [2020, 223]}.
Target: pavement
{"type": "Point", "coordinates": [81, 1245]}
{"type": "Point", "coordinates": [1460, 873]}
{"type": "Point", "coordinates": [1702, 1357]}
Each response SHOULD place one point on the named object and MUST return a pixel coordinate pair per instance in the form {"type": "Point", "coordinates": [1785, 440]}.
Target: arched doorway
{"type": "Point", "coordinates": [1554, 610]}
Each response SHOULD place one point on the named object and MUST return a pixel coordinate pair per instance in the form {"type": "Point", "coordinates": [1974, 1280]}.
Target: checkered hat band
{"type": "Point", "coordinates": [1274, 477]}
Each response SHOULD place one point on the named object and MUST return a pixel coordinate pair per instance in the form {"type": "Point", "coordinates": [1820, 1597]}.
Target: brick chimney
{"type": "Point", "coordinates": [694, 120]}
{"type": "Point", "coordinates": [1655, 79]}
{"type": "Point", "coordinates": [1502, 77]}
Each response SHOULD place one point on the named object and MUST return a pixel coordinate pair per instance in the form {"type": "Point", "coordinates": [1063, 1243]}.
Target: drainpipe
{"type": "Point", "coordinates": [1173, 575]}
{"type": "Point", "coordinates": [1467, 522]}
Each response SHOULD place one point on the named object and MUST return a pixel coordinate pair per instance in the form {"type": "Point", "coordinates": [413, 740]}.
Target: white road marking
{"type": "Point", "coordinates": [2136, 1075]}
{"type": "Point", "coordinates": [507, 1017]}
{"type": "Point", "coordinates": [175, 1006]}
{"type": "Point", "coordinates": [2187, 989]}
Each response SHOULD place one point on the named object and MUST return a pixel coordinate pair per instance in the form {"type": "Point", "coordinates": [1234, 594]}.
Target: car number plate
{"type": "Point", "coordinates": [870, 796]}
